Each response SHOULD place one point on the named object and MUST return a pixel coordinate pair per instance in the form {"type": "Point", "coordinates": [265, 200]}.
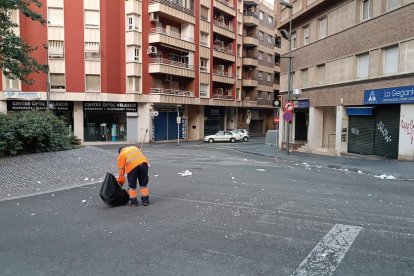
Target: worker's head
{"type": "Point", "coordinates": [120, 149]}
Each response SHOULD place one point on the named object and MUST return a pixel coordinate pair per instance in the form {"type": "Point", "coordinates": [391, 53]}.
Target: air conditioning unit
{"type": "Point", "coordinates": [168, 78]}
{"type": "Point", "coordinates": [152, 50]}
{"type": "Point", "coordinates": [154, 17]}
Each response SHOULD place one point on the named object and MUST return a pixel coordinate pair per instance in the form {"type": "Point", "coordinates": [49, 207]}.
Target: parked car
{"type": "Point", "coordinates": [243, 132]}
{"type": "Point", "coordinates": [223, 136]}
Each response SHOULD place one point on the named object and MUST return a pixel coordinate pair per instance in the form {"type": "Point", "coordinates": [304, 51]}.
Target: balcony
{"type": "Point", "coordinates": [171, 9]}
{"type": "Point", "coordinates": [133, 69]}
{"type": "Point", "coordinates": [224, 53]}
{"type": "Point", "coordinates": [249, 82]}
{"type": "Point", "coordinates": [133, 38]}
{"type": "Point", "coordinates": [250, 41]}
{"type": "Point", "coordinates": [171, 67]}
{"type": "Point", "coordinates": [250, 19]}
{"type": "Point", "coordinates": [250, 61]}
{"type": "Point", "coordinates": [168, 37]}
{"type": "Point", "coordinates": [223, 28]}
{"type": "Point", "coordinates": [251, 2]}
{"type": "Point", "coordinates": [225, 6]}
{"type": "Point", "coordinates": [171, 92]}
{"type": "Point", "coordinates": [222, 96]}
{"type": "Point", "coordinates": [223, 77]}
{"type": "Point", "coordinates": [276, 86]}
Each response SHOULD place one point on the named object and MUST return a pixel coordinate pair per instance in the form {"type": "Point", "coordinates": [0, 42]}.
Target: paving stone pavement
{"type": "Point", "coordinates": [37, 173]}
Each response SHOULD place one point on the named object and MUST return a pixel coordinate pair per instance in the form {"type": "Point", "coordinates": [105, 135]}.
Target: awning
{"type": "Point", "coordinates": [359, 111]}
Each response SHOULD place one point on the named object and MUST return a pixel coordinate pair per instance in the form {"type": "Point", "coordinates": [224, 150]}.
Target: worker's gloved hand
{"type": "Point", "coordinates": [121, 180]}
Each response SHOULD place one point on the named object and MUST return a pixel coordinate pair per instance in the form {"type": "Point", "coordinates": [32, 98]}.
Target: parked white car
{"type": "Point", "coordinates": [243, 132]}
{"type": "Point", "coordinates": [223, 136]}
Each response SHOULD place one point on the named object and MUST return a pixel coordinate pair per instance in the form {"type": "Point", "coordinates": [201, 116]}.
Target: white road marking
{"type": "Point", "coordinates": [329, 252]}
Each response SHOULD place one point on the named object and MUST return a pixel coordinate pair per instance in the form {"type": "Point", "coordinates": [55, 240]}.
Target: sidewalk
{"type": "Point", "coordinates": [385, 168]}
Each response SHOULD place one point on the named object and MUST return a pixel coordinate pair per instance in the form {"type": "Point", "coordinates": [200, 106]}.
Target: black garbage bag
{"type": "Point", "coordinates": [112, 193]}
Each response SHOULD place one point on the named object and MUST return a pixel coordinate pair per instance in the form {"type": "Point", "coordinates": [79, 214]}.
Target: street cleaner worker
{"type": "Point", "coordinates": [135, 164]}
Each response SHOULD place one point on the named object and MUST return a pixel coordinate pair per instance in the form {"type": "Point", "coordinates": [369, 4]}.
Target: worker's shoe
{"type": "Point", "coordinates": [145, 200]}
{"type": "Point", "coordinates": [133, 202]}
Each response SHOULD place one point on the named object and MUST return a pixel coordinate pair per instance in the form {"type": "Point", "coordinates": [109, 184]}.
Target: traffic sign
{"type": "Point", "coordinates": [287, 116]}
{"type": "Point", "coordinates": [289, 106]}
{"type": "Point", "coordinates": [276, 103]}
{"type": "Point", "coordinates": [276, 120]}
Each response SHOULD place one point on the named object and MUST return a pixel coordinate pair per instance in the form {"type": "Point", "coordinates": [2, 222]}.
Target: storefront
{"type": "Point", "coordinates": [61, 109]}
{"type": "Point", "coordinates": [213, 119]}
{"type": "Point", "coordinates": [110, 121]}
{"type": "Point", "coordinates": [301, 120]}
{"type": "Point", "coordinates": [376, 127]}
{"type": "Point", "coordinates": [168, 124]}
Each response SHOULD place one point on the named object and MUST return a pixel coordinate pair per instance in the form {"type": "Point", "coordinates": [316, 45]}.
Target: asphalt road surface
{"type": "Point", "coordinates": [217, 211]}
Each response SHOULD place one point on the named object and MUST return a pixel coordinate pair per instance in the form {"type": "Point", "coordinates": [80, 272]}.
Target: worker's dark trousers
{"type": "Point", "coordinates": [139, 173]}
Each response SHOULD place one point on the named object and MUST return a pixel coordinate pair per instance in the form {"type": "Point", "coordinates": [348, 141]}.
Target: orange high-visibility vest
{"type": "Point", "coordinates": [129, 158]}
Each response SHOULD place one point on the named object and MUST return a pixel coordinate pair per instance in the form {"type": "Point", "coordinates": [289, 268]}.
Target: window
{"type": "Point", "coordinates": [269, 58]}
{"type": "Point", "coordinates": [133, 54]}
{"type": "Point", "coordinates": [9, 84]}
{"type": "Point", "coordinates": [320, 77]}
{"type": "Point", "coordinates": [55, 49]}
{"type": "Point", "coordinates": [269, 39]}
{"type": "Point", "coordinates": [259, 94]}
{"type": "Point", "coordinates": [391, 60]}
{"type": "Point", "coordinates": [133, 84]}
{"type": "Point", "coordinates": [270, 19]}
{"type": "Point", "coordinates": [294, 41]}
{"type": "Point", "coordinates": [260, 55]}
{"type": "Point", "coordinates": [204, 39]}
{"type": "Point", "coordinates": [260, 35]}
{"type": "Point", "coordinates": [363, 66]}
{"type": "Point", "coordinates": [260, 75]}
{"type": "Point", "coordinates": [261, 15]}
{"type": "Point", "coordinates": [92, 50]}
{"type": "Point", "coordinates": [55, 17]}
{"type": "Point", "coordinates": [306, 37]}
{"type": "Point", "coordinates": [393, 4]}
{"type": "Point", "coordinates": [305, 78]}
{"type": "Point", "coordinates": [323, 27]}
{"type": "Point", "coordinates": [93, 83]}
{"type": "Point", "coordinates": [204, 65]}
{"type": "Point", "coordinates": [269, 77]}
{"type": "Point", "coordinates": [365, 12]}
{"type": "Point", "coordinates": [92, 19]}
{"type": "Point", "coordinates": [132, 23]}
{"type": "Point", "coordinates": [269, 96]}
{"type": "Point", "coordinates": [204, 13]}
{"type": "Point", "coordinates": [204, 90]}
{"type": "Point", "coordinates": [57, 82]}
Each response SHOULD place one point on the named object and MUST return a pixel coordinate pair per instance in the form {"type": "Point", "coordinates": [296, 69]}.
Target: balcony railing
{"type": "Point", "coordinates": [223, 73]}
{"type": "Point", "coordinates": [223, 25]}
{"type": "Point", "coordinates": [171, 92]}
{"type": "Point", "coordinates": [174, 5]}
{"type": "Point", "coordinates": [223, 49]}
{"type": "Point", "coordinates": [160, 30]}
{"type": "Point", "coordinates": [222, 96]}
{"type": "Point", "coordinates": [227, 3]}
{"type": "Point", "coordinates": [170, 62]}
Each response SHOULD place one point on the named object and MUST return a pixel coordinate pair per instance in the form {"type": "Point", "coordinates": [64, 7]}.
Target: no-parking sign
{"type": "Point", "coordinates": [287, 116]}
{"type": "Point", "coordinates": [289, 106]}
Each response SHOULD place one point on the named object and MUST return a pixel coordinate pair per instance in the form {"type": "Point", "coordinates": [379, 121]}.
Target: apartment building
{"type": "Point", "coordinates": [354, 62]}
{"type": "Point", "coordinates": [118, 68]}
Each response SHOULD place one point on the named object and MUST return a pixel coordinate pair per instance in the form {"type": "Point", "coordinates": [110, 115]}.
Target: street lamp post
{"type": "Point", "coordinates": [46, 46]}
{"type": "Point", "coordinates": [289, 37]}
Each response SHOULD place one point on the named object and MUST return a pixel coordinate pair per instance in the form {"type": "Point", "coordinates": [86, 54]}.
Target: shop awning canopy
{"type": "Point", "coordinates": [359, 111]}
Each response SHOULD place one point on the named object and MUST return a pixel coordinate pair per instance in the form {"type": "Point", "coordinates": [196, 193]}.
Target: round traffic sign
{"type": "Point", "coordinates": [289, 106]}
{"type": "Point", "coordinates": [287, 116]}
{"type": "Point", "coordinates": [276, 120]}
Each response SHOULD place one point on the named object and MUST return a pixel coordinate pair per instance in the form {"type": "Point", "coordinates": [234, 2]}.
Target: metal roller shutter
{"type": "Point", "coordinates": [361, 135]}
{"type": "Point", "coordinates": [387, 130]}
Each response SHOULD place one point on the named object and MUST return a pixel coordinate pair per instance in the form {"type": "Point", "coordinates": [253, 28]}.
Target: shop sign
{"type": "Point", "coordinates": [183, 128]}
{"type": "Point", "coordinates": [110, 107]}
{"type": "Point", "coordinates": [39, 105]}
{"type": "Point", "coordinates": [18, 95]}
{"type": "Point", "coordinates": [302, 104]}
{"type": "Point", "coordinates": [395, 95]}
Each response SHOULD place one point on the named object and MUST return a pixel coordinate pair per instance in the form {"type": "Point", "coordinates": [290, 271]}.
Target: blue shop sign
{"type": "Point", "coordinates": [395, 95]}
{"type": "Point", "coordinates": [302, 104]}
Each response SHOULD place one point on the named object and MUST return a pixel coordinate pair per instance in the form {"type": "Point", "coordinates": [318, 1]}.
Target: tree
{"type": "Point", "coordinates": [15, 59]}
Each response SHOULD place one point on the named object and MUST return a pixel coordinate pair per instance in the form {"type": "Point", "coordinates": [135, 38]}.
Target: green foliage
{"type": "Point", "coordinates": [33, 131]}
{"type": "Point", "coordinates": [15, 59]}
